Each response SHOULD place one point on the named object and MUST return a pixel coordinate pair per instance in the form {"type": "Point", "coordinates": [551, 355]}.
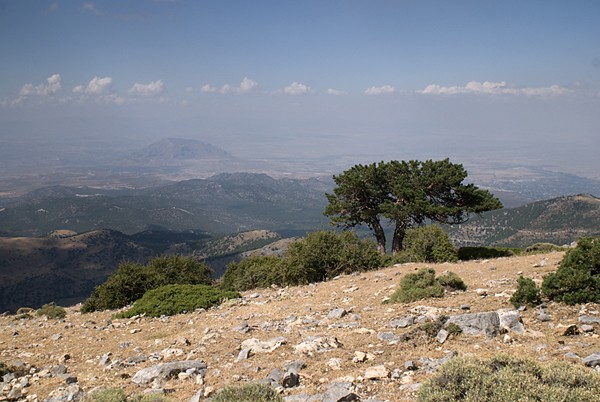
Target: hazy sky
{"type": "Point", "coordinates": [496, 79]}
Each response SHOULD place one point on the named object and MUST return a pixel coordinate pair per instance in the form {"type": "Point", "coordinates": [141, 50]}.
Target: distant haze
{"type": "Point", "coordinates": [485, 83]}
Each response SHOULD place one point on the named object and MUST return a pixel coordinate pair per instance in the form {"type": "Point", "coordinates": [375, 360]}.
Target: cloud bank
{"type": "Point", "coordinates": [493, 88]}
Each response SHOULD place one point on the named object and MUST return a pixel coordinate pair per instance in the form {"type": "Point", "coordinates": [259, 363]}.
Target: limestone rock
{"type": "Point", "coordinates": [317, 344]}
{"type": "Point", "coordinates": [257, 346]}
{"type": "Point", "coordinates": [510, 320]}
{"type": "Point", "coordinates": [592, 360]}
{"type": "Point", "coordinates": [376, 372]}
{"type": "Point", "coordinates": [487, 324]}
{"type": "Point", "coordinates": [340, 392]}
{"type": "Point", "coordinates": [165, 371]}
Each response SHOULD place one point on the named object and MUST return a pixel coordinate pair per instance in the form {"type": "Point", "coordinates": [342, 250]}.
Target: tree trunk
{"type": "Point", "coordinates": [379, 237]}
{"type": "Point", "coordinates": [398, 240]}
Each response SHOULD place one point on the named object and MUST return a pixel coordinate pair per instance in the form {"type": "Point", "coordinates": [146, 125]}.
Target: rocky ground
{"type": "Point", "coordinates": [322, 342]}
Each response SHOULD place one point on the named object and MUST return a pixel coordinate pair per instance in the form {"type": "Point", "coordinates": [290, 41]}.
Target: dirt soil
{"type": "Point", "coordinates": [296, 313]}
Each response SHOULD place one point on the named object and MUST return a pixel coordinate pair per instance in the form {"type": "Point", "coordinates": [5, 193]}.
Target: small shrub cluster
{"type": "Point", "coordinates": [427, 331]}
{"type": "Point", "coordinates": [131, 280]}
{"type": "Point", "coordinates": [51, 310]}
{"type": "Point", "coordinates": [484, 253]}
{"type": "Point", "coordinates": [177, 299]}
{"type": "Point", "coordinates": [577, 279]}
{"type": "Point", "coordinates": [250, 392]}
{"type": "Point", "coordinates": [527, 293]}
{"type": "Point", "coordinates": [543, 248]}
{"type": "Point", "coordinates": [427, 244]}
{"type": "Point", "coordinates": [319, 256]}
{"type": "Point", "coordinates": [505, 378]}
{"type": "Point", "coordinates": [423, 284]}
{"type": "Point", "coordinates": [253, 272]}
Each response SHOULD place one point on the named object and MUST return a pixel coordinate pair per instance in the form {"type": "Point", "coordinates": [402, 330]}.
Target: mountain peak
{"type": "Point", "coordinates": [180, 149]}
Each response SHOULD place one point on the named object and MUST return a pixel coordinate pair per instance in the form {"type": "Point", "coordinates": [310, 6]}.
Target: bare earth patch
{"type": "Point", "coordinates": [101, 351]}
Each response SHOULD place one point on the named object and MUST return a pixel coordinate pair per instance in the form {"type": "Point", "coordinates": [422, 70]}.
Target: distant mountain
{"type": "Point", "coordinates": [170, 149]}
{"type": "Point", "coordinates": [66, 267]}
{"type": "Point", "coordinates": [559, 221]}
{"type": "Point", "coordinates": [226, 203]}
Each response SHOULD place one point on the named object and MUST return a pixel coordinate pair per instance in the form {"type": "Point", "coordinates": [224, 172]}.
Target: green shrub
{"type": "Point", "coordinates": [577, 279]}
{"type": "Point", "coordinates": [454, 329]}
{"type": "Point", "coordinates": [131, 280]}
{"type": "Point", "coordinates": [527, 293]}
{"type": "Point", "coordinates": [543, 248]}
{"type": "Point", "coordinates": [253, 272]}
{"type": "Point", "coordinates": [250, 392]}
{"type": "Point", "coordinates": [51, 310]}
{"type": "Point", "coordinates": [325, 254]}
{"type": "Point", "coordinates": [177, 299]}
{"type": "Point", "coordinates": [112, 394]}
{"type": "Point", "coordinates": [417, 286]}
{"type": "Point", "coordinates": [317, 257]}
{"type": "Point", "coordinates": [423, 284]}
{"type": "Point", "coordinates": [452, 281]}
{"type": "Point", "coordinates": [484, 253]}
{"type": "Point", "coordinates": [428, 244]}
{"type": "Point", "coordinates": [505, 379]}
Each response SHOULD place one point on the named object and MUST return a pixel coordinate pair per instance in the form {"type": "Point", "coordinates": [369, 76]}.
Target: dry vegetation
{"type": "Point", "coordinates": [80, 340]}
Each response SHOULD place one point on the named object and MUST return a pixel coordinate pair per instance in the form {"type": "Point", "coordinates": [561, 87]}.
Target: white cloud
{"type": "Point", "coordinates": [96, 86]}
{"type": "Point", "coordinates": [246, 86]}
{"type": "Point", "coordinates": [383, 90]}
{"type": "Point", "coordinates": [52, 86]}
{"type": "Point", "coordinates": [208, 89]}
{"type": "Point", "coordinates": [91, 7]}
{"type": "Point", "coordinates": [336, 92]}
{"type": "Point", "coordinates": [296, 88]}
{"type": "Point", "coordinates": [493, 88]}
{"type": "Point", "coordinates": [152, 89]}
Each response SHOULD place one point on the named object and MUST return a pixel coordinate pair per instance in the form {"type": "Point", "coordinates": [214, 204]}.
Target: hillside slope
{"type": "Point", "coordinates": [225, 203]}
{"type": "Point", "coordinates": [357, 332]}
{"type": "Point", "coordinates": [559, 221]}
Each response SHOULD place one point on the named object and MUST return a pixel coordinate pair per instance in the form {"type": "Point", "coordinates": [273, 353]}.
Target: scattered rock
{"type": "Point", "coordinates": [376, 372]}
{"type": "Point", "coordinates": [543, 316]}
{"type": "Point", "coordinates": [442, 335]}
{"type": "Point", "coordinates": [570, 330]}
{"type": "Point", "coordinates": [165, 371]}
{"type": "Point", "coordinates": [592, 360]}
{"type": "Point", "coordinates": [402, 322]}
{"type": "Point", "coordinates": [340, 392]}
{"type": "Point", "coordinates": [337, 313]}
{"type": "Point", "coordinates": [257, 346]}
{"type": "Point", "coordinates": [317, 344]}
{"type": "Point", "coordinates": [587, 319]}
{"type": "Point", "coordinates": [388, 337]}
{"type": "Point", "coordinates": [510, 320]}
{"type": "Point", "coordinates": [335, 363]}
{"type": "Point", "coordinates": [410, 365]}
{"type": "Point", "coordinates": [487, 324]}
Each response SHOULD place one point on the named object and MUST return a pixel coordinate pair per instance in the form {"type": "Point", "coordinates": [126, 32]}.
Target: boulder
{"type": "Point", "coordinates": [487, 324]}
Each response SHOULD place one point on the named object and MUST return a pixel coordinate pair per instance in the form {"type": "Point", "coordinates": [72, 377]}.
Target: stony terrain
{"type": "Point", "coordinates": [324, 342]}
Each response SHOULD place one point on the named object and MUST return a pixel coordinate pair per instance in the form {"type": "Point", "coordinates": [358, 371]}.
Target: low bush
{"type": "Point", "coordinates": [417, 286]}
{"type": "Point", "coordinates": [484, 253]}
{"type": "Point", "coordinates": [250, 392]}
{"type": "Point", "coordinates": [253, 272]}
{"type": "Point", "coordinates": [507, 379]}
{"type": "Point", "coordinates": [427, 244]}
{"type": "Point", "coordinates": [577, 279]}
{"type": "Point", "coordinates": [325, 254]}
{"type": "Point", "coordinates": [451, 281]}
{"type": "Point", "coordinates": [131, 280]}
{"type": "Point", "coordinates": [527, 293]}
{"type": "Point", "coordinates": [543, 248]}
{"type": "Point", "coordinates": [423, 284]}
{"type": "Point", "coordinates": [177, 299]}
{"type": "Point", "coordinates": [51, 310]}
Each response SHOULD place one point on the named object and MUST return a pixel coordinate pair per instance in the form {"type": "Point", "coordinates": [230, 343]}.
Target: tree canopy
{"type": "Point", "coordinates": [407, 193]}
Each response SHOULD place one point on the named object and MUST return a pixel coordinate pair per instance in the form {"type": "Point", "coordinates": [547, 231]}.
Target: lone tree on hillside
{"type": "Point", "coordinates": [409, 194]}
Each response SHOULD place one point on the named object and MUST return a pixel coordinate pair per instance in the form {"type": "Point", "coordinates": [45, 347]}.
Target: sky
{"type": "Point", "coordinates": [514, 81]}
